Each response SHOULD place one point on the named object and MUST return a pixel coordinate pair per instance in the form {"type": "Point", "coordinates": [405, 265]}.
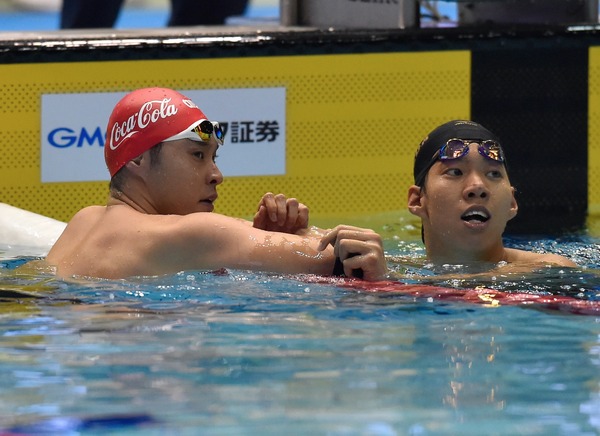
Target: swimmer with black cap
{"type": "Point", "coordinates": [464, 197]}
{"type": "Point", "coordinates": [161, 155]}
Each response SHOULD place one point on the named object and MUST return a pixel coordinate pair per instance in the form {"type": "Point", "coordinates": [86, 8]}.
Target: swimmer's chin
{"type": "Point", "coordinates": [206, 206]}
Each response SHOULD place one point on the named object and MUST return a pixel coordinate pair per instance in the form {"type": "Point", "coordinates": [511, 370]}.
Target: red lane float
{"type": "Point", "coordinates": [479, 295]}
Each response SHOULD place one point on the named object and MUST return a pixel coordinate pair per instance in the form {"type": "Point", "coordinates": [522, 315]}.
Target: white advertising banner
{"type": "Point", "coordinates": [74, 132]}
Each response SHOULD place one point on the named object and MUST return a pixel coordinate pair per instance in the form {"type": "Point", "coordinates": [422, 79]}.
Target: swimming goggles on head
{"type": "Point", "coordinates": [456, 148]}
{"type": "Point", "coordinates": [202, 131]}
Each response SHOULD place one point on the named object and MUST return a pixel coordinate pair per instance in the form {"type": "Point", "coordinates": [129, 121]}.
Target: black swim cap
{"type": "Point", "coordinates": [459, 129]}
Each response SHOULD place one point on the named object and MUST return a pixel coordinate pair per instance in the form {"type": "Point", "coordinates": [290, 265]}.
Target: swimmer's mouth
{"type": "Point", "coordinates": [476, 215]}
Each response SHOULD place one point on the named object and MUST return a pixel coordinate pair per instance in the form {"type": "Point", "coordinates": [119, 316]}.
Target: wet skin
{"type": "Point", "coordinates": [465, 205]}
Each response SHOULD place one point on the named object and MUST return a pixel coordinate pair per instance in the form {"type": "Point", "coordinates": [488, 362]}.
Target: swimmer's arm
{"type": "Point", "coordinates": [216, 241]}
{"type": "Point", "coordinates": [212, 241]}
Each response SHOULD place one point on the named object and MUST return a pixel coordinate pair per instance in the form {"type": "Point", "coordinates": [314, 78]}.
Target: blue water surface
{"type": "Point", "coordinates": [233, 352]}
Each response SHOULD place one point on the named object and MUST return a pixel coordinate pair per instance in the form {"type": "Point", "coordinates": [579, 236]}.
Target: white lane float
{"type": "Point", "coordinates": [27, 233]}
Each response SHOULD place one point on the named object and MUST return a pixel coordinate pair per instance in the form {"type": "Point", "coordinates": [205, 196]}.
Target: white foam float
{"type": "Point", "coordinates": [27, 233]}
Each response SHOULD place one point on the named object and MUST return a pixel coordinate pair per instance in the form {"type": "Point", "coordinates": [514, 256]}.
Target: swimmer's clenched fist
{"type": "Point", "coordinates": [357, 248]}
{"type": "Point", "coordinates": [277, 213]}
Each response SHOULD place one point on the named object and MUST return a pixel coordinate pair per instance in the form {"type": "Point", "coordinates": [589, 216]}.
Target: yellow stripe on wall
{"type": "Point", "coordinates": [594, 141]}
{"type": "Point", "coordinates": [353, 124]}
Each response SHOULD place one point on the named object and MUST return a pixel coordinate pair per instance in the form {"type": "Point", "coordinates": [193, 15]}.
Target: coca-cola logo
{"type": "Point", "coordinates": [150, 113]}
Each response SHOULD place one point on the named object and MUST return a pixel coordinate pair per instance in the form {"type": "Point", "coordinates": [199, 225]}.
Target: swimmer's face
{"type": "Point", "coordinates": [465, 204]}
{"type": "Point", "coordinates": [185, 177]}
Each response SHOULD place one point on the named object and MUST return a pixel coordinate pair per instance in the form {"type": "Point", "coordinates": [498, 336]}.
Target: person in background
{"type": "Point", "coordinates": [160, 151]}
{"type": "Point", "coordinates": [86, 14]}
{"type": "Point", "coordinates": [464, 197]}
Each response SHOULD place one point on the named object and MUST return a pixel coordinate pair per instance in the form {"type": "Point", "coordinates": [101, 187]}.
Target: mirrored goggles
{"type": "Point", "coordinates": [456, 148]}
{"type": "Point", "coordinates": [202, 131]}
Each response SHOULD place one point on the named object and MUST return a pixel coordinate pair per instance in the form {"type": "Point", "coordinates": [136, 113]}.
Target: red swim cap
{"type": "Point", "coordinates": [143, 119]}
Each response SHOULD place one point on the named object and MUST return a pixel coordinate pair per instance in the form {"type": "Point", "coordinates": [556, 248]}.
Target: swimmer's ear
{"type": "Point", "coordinates": [514, 207]}
{"type": "Point", "coordinates": [136, 163]}
{"type": "Point", "coordinates": [415, 201]}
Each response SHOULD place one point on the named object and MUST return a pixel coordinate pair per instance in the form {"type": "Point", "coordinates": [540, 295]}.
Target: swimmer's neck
{"type": "Point", "coordinates": [454, 257]}
{"type": "Point", "coordinates": [121, 199]}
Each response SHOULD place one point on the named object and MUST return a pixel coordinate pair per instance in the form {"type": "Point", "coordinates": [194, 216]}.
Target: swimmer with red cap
{"type": "Point", "coordinates": [160, 152]}
{"type": "Point", "coordinates": [464, 198]}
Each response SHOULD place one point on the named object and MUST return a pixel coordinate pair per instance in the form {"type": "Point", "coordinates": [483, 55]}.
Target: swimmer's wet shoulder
{"type": "Point", "coordinates": [514, 256]}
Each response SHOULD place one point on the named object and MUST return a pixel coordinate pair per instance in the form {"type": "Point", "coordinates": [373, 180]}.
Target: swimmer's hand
{"type": "Point", "coordinates": [277, 213]}
{"type": "Point", "coordinates": [357, 249]}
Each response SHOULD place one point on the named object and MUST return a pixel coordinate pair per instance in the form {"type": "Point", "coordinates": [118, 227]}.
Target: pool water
{"type": "Point", "coordinates": [233, 352]}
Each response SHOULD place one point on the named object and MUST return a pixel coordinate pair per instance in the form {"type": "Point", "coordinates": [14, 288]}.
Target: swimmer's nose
{"type": "Point", "coordinates": [477, 192]}
{"type": "Point", "coordinates": [476, 188]}
{"type": "Point", "coordinates": [216, 177]}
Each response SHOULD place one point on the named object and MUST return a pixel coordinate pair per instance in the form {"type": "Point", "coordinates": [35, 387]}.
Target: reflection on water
{"type": "Point", "coordinates": [240, 353]}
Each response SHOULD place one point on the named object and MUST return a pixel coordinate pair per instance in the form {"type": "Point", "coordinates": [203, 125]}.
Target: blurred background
{"type": "Point", "coordinates": [44, 15]}
{"type": "Point", "coordinates": [41, 15]}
